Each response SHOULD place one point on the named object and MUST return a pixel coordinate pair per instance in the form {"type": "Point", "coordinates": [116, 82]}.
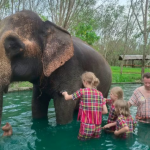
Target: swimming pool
{"type": "Point", "coordinates": [44, 134]}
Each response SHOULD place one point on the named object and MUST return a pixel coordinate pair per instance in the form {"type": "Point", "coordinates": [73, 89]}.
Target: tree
{"type": "Point", "coordinates": [110, 26]}
{"type": "Point", "coordinates": [18, 5]}
{"type": "Point", "coordinates": [85, 32]}
{"type": "Point", "coordinates": [4, 6]}
{"type": "Point", "coordinates": [69, 13]}
{"type": "Point", "coordinates": [129, 27]}
{"type": "Point", "coordinates": [140, 8]}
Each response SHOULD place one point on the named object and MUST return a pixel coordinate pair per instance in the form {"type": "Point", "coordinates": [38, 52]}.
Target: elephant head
{"type": "Point", "coordinates": [30, 47]}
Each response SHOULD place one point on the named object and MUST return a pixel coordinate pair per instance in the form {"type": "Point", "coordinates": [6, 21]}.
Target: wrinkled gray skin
{"type": "Point", "coordinates": [47, 56]}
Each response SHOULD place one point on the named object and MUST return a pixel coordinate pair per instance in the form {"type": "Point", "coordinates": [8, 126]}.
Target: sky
{"type": "Point", "coordinates": [123, 2]}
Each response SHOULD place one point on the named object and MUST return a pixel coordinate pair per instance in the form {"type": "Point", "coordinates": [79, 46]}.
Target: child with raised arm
{"type": "Point", "coordinates": [91, 107]}
{"type": "Point", "coordinates": [124, 123]}
{"type": "Point", "coordinates": [116, 93]}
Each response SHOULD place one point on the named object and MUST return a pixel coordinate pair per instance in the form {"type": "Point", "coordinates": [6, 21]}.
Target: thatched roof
{"type": "Point", "coordinates": [133, 57]}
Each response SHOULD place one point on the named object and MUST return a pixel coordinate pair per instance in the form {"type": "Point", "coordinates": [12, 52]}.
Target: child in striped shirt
{"type": "Point", "coordinates": [124, 123]}
{"type": "Point", "coordinates": [116, 93]}
{"type": "Point", "coordinates": [91, 107]}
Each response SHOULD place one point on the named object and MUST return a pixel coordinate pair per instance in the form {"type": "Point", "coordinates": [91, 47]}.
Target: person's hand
{"type": "Point", "coordinates": [116, 133]}
{"type": "Point", "coordinates": [64, 93]}
{"type": "Point", "coordinates": [106, 126]}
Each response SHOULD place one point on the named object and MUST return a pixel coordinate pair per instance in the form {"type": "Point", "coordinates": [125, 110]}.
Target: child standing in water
{"type": "Point", "coordinates": [116, 93]}
{"type": "Point", "coordinates": [124, 123]}
{"type": "Point", "coordinates": [91, 107]}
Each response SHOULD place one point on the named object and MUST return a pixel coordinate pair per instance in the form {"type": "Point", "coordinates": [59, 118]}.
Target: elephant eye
{"type": "Point", "coordinates": [13, 46]}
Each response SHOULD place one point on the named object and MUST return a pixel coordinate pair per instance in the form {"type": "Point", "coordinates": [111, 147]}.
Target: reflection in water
{"type": "Point", "coordinates": [41, 128]}
{"type": "Point", "coordinates": [44, 134]}
{"type": "Point", "coordinates": [144, 133]}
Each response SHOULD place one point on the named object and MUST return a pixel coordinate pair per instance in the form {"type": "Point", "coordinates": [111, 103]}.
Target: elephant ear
{"type": "Point", "coordinates": [58, 48]}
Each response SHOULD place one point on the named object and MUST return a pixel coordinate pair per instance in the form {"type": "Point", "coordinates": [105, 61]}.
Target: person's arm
{"type": "Point", "coordinates": [109, 125]}
{"type": "Point", "coordinates": [108, 101]}
{"type": "Point", "coordinates": [105, 110]}
{"type": "Point", "coordinates": [129, 104]}
{"type": "Point", "coordinates": [66, 96]}
{"type": "Point", "coordinates": [122, 130]}
{"type": "Point", "coordinates": [123, 125]}
{"type": "Point", "coordinates": [133, 101]}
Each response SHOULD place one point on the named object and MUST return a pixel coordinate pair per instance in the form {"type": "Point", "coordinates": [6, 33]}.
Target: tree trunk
{"type": "Point", "coordinates": [121, 67]}
{"type": "Point", "coordinates": [145, 38]}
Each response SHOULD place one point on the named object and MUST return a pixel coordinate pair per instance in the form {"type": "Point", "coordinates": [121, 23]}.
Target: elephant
{"type": "Point", "coordinates": [51, 59]}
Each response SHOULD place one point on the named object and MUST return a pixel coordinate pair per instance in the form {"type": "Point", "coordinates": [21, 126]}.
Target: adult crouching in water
{"type": "Point", "coordinates": [141, 99]}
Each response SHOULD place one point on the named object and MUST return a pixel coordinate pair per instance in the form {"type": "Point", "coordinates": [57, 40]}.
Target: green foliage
{"type": "Point", "coordinates": [44, 18]}
{"type": "Point", "coordinates": [129, 74]}
{"type": "Point", "coordinates": [126, 78]}
{"type": "Point", "coordinates": [7, 5]}
{"type": "Point", "coordinates": [20, 84]}
{"type": "Point", "coordinates": [86, 32]}
{"type": "Point", "coordinates": [111, 14]}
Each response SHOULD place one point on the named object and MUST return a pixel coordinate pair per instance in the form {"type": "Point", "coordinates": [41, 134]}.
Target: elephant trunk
{"type": "Point", "coordinates": [5, 74]}
{"type": "Point", "coordinates": [1, 104]}
{"type": "Point", "coordinates": [4, 83]}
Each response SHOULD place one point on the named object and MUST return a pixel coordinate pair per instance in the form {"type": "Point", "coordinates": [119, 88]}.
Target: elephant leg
{"type": "Point", "coordinates": [40, 103]}
{"type": "Point", "coordinates": [64, 109]}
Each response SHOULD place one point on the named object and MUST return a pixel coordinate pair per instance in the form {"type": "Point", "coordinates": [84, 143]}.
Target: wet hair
{"type": "Point", "coordinates": [91, 79]}
{"type": "Point", "coordinates": [146, 75]}
{"type": "Point", "coordinates": [118, 91]}
{"type": "Point", "coordinates": [122, 108]}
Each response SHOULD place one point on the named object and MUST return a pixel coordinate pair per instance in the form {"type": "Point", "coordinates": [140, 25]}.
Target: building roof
{"type": "Point", "coordinates": [133, 57]}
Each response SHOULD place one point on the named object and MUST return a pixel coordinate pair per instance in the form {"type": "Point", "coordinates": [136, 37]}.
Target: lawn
{"type": "Point", "coordinates": [16, 85]}
{"type": "Point", "coordinates": [129, 74]}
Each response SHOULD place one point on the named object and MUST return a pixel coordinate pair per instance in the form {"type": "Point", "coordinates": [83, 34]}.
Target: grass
{"type": "Point", "coordinates": [16, 85]}
{"type": "Point", "coordinates": [129, 75]}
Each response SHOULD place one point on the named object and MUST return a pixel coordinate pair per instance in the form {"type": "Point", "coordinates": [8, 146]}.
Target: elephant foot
{"type": "Point", "coordinates": [62, 121]}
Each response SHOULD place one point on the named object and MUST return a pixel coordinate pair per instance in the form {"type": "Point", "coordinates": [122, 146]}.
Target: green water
{"type": "Point", "coordinates": [31, 134]}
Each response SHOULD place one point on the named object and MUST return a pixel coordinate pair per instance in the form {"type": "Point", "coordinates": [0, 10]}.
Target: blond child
{"type": "Point", "coordinates": [124, 123]}
{"type": "Point", "coordinates": [116, 93]}
{"type": "Point", "coordinates": [91, 107]}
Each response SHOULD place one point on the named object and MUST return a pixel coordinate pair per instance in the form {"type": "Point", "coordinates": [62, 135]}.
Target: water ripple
{"type": "Point", "coordinates": [30, 134]}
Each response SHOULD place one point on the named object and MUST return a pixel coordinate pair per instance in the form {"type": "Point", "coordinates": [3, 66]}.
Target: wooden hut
{"type": "Point", "coordinates": [131, 58]}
